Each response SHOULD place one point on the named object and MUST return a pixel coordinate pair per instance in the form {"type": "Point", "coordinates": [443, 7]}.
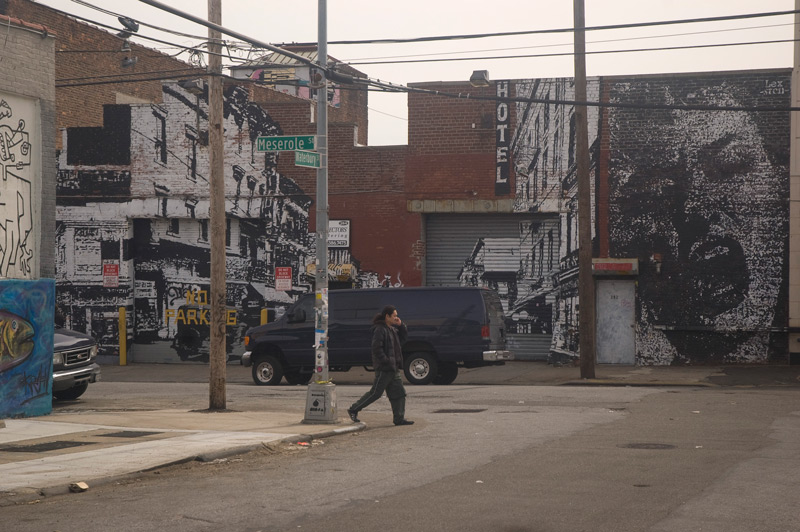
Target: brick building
{"type": "Point", "coordinates": [693, 199]}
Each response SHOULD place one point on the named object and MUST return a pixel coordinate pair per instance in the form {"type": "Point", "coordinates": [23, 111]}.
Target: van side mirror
{"type": "Point", "coordinates": [298, 316]}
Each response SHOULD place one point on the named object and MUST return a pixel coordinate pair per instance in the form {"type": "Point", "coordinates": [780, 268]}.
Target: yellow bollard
{"type": "Point", "coordinates": [264, 316]}
{"type": "Point", "coordinates": [123, 338]}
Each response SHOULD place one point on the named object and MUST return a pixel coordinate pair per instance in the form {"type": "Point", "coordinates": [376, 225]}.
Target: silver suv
{"type": "Point", "coordinates": [74, 364]}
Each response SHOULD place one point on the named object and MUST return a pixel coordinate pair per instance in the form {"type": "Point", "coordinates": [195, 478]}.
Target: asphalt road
{"type": "Point", "coordinates": [479, 458]}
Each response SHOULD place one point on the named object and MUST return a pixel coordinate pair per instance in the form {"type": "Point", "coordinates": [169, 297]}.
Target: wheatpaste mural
{"type": "Point", "coordinates": [700, 197]}
{"type": "Point", "coordinates": [17, 246]}
{"type": "Point", "coordinates": [133, 226]}
{"type": "Point", "coordinates": [697, 195]}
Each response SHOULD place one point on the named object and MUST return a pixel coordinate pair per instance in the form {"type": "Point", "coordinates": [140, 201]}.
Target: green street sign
{"type": "Point", "coordinates": [311, 159]}
{"type": "Point", "coordinates": [286, 143]}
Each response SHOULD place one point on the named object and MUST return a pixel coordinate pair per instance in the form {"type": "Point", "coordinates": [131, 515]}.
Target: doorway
{"type": "Point", "coordinates": [616, 315]}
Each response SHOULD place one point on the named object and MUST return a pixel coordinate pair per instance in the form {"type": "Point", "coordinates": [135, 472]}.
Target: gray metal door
{"type": "Point", "coordinates": [514, 254]}
{"type": "Point", "coordinates": [615, 322]}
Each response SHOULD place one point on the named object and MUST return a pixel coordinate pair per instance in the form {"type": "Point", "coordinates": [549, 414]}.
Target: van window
{"type": "Point", "coordinates": [492, 300]}
{"type": "Point", "coordinates": [306, 303]}
{"type": "Point", "coordinates": [354, 306]}
{"type": "Point", "coordinates": [462, 304]}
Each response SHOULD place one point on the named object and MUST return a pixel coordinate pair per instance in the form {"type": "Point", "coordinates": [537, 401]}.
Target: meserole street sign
{"type": "Point", "coordinates": [286, 143]}
{"type": "Point", "coordinates": [311, 159]}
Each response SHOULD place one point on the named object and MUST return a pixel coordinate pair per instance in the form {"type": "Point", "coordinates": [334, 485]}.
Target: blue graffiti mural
{"type": "Point", "coordinates": [26, 347]}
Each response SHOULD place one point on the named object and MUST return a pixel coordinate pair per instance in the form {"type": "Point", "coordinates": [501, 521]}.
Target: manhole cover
{"type": "Point", "coordinates": [655, 446]}
{"type": "Point", "coordinates": [43, 447]}
{"type": "Point", "coordinates": [129, 434]}
{"type": "Point", "coordinates": [459, 411]}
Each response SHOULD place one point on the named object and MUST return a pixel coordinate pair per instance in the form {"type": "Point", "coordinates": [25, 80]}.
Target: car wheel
{"type": "Point", "coordinates": [420, 368]}
{"type": "Point", "coordinates": [448, 371]}
{"type": "Point", "coordinates": [72, 393]}
{"type": "Point", "coordinates": [295, 377]}
{"type": "Point", "coordinates": [267, 371]}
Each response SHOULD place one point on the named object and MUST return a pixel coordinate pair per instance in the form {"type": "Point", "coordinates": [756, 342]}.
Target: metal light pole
{"type": "Point", "coordinates": [321, 395]}
{"type": "Point", "coordinates": [586, 295]}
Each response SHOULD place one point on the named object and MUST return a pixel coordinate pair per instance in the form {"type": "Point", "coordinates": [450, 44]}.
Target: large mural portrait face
{"type": "Point", "coordinates": [699, 198]}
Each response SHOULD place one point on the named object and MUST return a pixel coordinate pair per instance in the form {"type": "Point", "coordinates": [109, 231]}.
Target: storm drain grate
{"type": "Point", "coordinates": [654, 446]}
{"type": "Point", "coordinates": [459, 411]}
{"type": "Point", "coordinates": [129, 434]}
{"type": "Point", "coordinates": [44, 447]}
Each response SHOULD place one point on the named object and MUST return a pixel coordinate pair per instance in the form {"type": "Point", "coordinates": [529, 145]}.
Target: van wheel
{"type": "Point", "coordinates": [267, 371]}
{"type": "Point", "coordinates": [295, 377]}
{"type": "Point", "coordinates": [70, 394]}
{"type": "Point", "coordinates": [448, 371]}
{"type": "Point", "coordinates": [420, 368]}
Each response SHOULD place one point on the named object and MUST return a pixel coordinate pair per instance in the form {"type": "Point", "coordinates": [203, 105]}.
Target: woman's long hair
{"type": "Point", "coordinates": [380, 317]}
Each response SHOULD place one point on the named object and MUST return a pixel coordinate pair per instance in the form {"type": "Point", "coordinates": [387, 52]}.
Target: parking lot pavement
{"type": "Point", "coordinates": [531, 373]}
{"type": "Point", "coordinates": [45, 455]}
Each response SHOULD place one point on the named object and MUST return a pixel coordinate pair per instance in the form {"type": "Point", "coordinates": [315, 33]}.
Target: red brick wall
{"type": "Point", "coordinates": [83, 106]}
{"type": "Point", "coordinates": [452, 152]}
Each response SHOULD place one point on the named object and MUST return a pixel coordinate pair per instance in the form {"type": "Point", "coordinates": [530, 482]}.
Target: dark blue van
{"type": "Point", "coordinates": [448, 328]}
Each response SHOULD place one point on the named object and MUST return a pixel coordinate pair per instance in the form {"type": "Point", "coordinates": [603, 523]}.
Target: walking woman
{"type": "Point", "coordinates": [388, 335]}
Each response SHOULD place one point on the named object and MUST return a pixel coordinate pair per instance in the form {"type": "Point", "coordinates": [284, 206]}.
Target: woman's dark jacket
{"type": "Point", "coordinates": [387, 342]}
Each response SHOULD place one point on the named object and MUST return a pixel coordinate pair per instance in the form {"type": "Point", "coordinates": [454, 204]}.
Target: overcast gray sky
{"type": "Point", "coordinates": [280, 21]}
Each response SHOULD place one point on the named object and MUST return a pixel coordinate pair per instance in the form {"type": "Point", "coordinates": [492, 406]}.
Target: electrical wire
{"type": "Point", "coordinates": [114, 14]}
{"type": "Point", "coordinates": [387, 114]}
{"type": "Point", "coordinates": [176, 71]}
{"type": "Point", "coordinates": [626, 39]}
{"type": "Point", "coordinates": [562, 54]}
{"type": "Point", "coordinates": [557, 30]}
{"type": "Point", "coordinates": [389, 87]}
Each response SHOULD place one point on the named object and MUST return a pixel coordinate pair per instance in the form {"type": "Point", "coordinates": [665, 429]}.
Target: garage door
{"type": "Point", "coordinates": [516, 255]}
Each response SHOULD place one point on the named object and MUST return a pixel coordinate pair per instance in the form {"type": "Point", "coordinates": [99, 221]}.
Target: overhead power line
{"type": "Point", "coordinates": [556, 30]}
{"type": "Point", "coordinates": [159, 28]}
{"type": "Point", "coordinates": [561, 45]}
{"type": "Point", "coordinates": [561, 54]}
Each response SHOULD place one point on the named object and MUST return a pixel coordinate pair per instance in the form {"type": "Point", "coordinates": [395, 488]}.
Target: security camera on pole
{"type": "Point", "coordinates": [321, 396]}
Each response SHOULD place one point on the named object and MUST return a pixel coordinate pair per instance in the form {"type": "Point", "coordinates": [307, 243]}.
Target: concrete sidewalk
{"type": "Point", "coordinates": [81, 443]}
{"type": "Point", "coordinates": [45, 455]}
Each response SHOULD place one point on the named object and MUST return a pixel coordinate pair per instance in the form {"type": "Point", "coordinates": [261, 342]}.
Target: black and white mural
{"type": "Point", "coordinates": [543, 148]}
{"type": "Point", "coordinates": [133, 225]}
{"type": "Point", "coordinates": [700, 198]}
{"type": "Point", "coordinates": [18, 247]}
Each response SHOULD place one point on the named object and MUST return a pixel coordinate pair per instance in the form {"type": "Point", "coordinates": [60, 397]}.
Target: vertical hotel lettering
{"type": "Point", "coordinates": [502, 122]}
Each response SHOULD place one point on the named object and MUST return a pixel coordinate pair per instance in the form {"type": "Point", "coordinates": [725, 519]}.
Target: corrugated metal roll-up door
{"type": "Point", "coordinates": [517, 255]}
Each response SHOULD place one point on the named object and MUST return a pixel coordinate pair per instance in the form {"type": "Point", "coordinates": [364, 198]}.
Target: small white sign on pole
{"type": "Point", "coordinates": [338, 233]}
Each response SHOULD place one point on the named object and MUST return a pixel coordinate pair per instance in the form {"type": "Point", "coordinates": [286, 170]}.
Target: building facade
{"type": "Point", "coordinates": [689, 172]}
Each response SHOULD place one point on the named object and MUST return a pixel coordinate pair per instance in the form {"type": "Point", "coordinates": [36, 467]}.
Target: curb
{"type": "Point", "coordinates": [619, 383]}
{"type": "Point", "coordinates": [35, 495]}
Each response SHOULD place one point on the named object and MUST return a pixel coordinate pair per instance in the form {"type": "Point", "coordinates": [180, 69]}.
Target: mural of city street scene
{"type": "Point", "coordinates": [133, 226]}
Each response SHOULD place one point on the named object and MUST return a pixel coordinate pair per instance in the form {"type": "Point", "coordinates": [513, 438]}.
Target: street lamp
{"type": "Point", "coordinates": [479, 78]}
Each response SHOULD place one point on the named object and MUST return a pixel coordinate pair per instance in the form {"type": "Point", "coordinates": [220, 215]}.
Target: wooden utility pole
{"type": "Point", "coordinates": [217, 348]}
{"type": "Point", "coordinates": [586, 295]}
{"type": "Point", "coordinates": [794, 199]}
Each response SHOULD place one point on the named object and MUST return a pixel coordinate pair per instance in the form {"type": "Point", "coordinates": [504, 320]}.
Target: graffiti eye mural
{"type": "Point", "coordinates": [16, 342]}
